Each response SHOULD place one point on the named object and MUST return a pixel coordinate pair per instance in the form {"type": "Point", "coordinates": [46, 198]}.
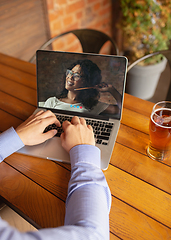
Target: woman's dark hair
{"type": "Point", "coordinates": [91, 76]}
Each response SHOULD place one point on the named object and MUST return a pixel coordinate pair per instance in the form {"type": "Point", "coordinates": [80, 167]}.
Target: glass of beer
{"type": "Point", "coordinates": [159, 147]}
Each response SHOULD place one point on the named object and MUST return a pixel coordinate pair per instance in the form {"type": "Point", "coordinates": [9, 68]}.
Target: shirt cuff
{"type": "Point", "coordinates": [10, 142]}
{"type": "Point", "coordinates": [85, 154]}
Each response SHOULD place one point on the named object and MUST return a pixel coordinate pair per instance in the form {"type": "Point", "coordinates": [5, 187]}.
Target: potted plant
{"type": "Point", "coordinates": [146, 26]}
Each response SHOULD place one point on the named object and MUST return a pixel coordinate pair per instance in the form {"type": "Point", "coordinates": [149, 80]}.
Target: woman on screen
{"type": "Point", "coordinates": [82, 87]}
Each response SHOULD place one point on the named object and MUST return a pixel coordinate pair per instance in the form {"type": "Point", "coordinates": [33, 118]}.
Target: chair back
{"type": "Point", "coordinates": [91, 41]}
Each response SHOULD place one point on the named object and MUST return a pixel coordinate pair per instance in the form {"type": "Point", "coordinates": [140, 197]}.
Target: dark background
{"type": "Point", "coordinates": [51, 68]}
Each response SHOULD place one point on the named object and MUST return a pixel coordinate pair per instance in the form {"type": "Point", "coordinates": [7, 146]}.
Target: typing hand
{"type": "Point", "coordinates": [31, 131]}
{"type": "Point", "coordinates": [75, 133]}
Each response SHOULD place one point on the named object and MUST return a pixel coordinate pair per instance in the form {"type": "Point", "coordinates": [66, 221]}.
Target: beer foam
{"type": "Point", "coordinates": [160, 120]}
{"type": "Point", "coordinates": [167, 119]}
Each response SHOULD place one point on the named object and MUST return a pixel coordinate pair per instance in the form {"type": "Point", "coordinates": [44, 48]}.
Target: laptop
{"type": "Point", "coordinates": [84, 85]}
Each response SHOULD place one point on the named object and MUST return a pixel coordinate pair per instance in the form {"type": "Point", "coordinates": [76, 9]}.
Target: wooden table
{"type": "Point", "coordinates": [37, 188]}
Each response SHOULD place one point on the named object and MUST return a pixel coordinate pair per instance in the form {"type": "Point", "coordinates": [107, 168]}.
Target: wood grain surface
{"type": "Point", "coordinates": [37, 188]}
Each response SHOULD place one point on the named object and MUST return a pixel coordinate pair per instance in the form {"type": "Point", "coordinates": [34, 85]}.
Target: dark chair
{"type": "Point", "coordinates": [167, 54]}
{"type": "Point", "coordinates": [91, 41]}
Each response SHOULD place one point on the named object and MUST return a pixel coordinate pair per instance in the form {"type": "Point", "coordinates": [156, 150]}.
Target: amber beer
{"type": "Point", "coordinates": [160, 132]}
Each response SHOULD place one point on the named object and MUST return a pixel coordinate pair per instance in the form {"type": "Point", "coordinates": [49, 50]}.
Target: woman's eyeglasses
{"type": "Point", "coordinates": [76, 76]}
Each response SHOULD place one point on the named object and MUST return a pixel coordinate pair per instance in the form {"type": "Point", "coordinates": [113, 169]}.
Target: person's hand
{"type": "Point", "coordinates": [104, 87]}
{"type": "Point", "coordinates": [75, 133]}
{"type": "Point", "coordinates": [31, 131]}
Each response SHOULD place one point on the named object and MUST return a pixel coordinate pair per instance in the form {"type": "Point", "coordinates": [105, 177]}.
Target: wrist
{"type": "Point", "coordinates": [85, 154]}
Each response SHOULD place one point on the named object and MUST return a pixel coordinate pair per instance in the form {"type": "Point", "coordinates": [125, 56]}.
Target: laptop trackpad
{"type": "Point", "coordinates": [53, 150]}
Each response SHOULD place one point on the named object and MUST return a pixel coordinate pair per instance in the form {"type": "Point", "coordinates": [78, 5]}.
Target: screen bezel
{"type": "Point", "coordinates": [87, 55]}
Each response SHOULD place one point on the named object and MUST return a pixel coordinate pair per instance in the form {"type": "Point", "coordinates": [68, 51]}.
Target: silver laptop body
{"type": "Point", "coordinates": [51, 75]}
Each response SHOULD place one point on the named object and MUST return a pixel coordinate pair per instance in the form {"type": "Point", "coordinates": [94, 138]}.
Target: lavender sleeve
{"type": "Point", "coordinates": [10, 142]}
{"type": "Point", "coordinates": [88, 202]}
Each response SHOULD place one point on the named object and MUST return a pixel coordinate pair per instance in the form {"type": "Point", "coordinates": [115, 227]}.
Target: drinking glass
{"type": "Point", "coordinates": [159, 147]}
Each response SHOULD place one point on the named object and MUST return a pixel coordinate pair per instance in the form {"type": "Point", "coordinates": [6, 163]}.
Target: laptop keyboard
{"type": "Point", "coordinates": [101, 129]}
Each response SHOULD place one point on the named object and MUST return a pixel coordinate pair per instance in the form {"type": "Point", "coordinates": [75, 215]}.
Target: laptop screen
{"type": "Point", "coordinates": [80, 83]}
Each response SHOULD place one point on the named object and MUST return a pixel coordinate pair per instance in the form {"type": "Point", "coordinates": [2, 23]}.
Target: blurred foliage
{"type": "Point", "coordinates": [146, 25]}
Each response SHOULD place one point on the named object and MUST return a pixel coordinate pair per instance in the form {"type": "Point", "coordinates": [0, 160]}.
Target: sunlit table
{"type": "Point", "coordinates": [37, 188]}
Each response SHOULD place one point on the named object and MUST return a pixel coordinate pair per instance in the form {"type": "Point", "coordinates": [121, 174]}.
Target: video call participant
{"type": "Point", "coordinates": [89, 199]}
{"type": "Point", "coordinates": [85, 75]}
